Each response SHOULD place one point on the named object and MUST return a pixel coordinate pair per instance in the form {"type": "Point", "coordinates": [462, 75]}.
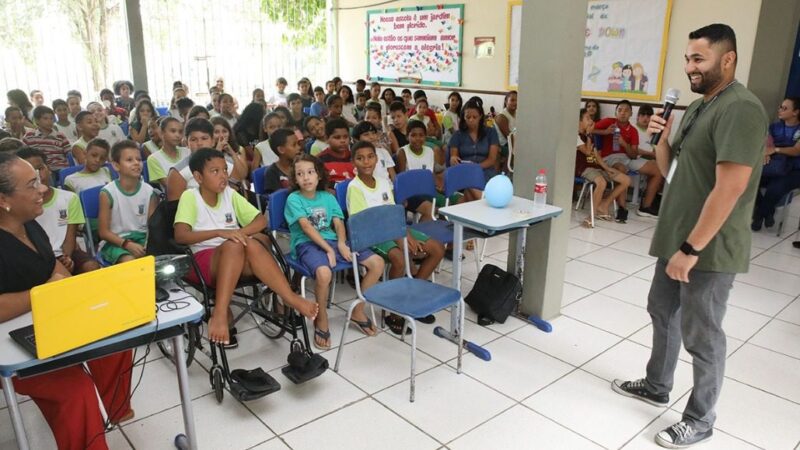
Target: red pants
{"type": "Point", "coordinates": [68, 401]}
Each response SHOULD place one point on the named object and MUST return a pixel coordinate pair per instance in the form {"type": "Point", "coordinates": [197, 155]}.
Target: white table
{"type": "Point", "coordinates": [478, 215]}
{"type": "Point", "coordinates": [14, 360]}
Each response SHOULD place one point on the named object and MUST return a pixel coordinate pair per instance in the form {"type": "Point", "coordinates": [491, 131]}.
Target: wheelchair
{"type": "Point", "coordinates": [273, 318]}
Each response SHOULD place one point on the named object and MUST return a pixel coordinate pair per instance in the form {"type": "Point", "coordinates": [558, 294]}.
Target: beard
{"type": "Point", "coordinates": [708, 80]}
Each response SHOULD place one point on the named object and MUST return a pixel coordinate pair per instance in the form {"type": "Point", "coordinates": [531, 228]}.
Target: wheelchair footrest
{"type": "Point", "coordinates": [300, 372]}
{"type": "Point", "coordinates": [252, 384]}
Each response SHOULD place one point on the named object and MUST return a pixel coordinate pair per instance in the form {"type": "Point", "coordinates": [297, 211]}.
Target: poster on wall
{"type": "Point", "coordinates": [624, 51]}
{"type": "Point", "coordinates": [419, 45]}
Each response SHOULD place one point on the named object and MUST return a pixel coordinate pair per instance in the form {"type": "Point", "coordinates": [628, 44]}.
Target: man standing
{"type": "Point", "coordinates": [702, 239]}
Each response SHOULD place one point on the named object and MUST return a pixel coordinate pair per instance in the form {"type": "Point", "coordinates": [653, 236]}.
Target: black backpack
{"type": "Point", "coordinates": [160, 232]}
{"type": "Point", "coordinates": [494, 295]}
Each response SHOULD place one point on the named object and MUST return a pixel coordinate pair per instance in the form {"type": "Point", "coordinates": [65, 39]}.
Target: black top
{"type": "Point", "coordinates": [402, 140]}
{"type": "Point", "coordinates": [274, 179]}
{"type": "Point", "coordinates": [22, 268]}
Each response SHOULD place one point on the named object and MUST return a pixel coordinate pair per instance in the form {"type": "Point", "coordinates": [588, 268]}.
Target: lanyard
{"type": "Point", "coordinates": [690, 124]}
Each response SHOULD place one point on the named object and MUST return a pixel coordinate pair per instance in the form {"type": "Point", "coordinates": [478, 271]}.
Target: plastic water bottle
{"type": "Point", "coordinates": [615, 140]}
{"type": "Point", "coordinates": [540, 189]}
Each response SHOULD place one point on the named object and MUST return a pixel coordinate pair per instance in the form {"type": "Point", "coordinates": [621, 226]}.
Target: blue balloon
{"type": "Point", "coordinates": [498, 191]}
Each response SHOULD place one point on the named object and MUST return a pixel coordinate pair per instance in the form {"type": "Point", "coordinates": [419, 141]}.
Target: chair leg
{"type": "Point", "coordinates": [580, 196]}
{"type": "Point", "coordinates": [476, 256]}
{"type": "Point", "coordinates": [591, 204]}
{"type": "Point", "coordinates": [412, 388]}
{"type": "Point", "coordinates": [344, 332]}
{"type": "Point", "coordinates": [483, 248]}
{"type": "Point", "coordinates": [461, 315]}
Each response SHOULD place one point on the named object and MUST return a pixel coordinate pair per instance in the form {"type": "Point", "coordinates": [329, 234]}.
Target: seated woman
{"type": "Point", "coordinates": [67, 397]}
{"type": "Point", "coordinates": [475, 143]}
{"type": "Point", "coordinates": [783, 139]}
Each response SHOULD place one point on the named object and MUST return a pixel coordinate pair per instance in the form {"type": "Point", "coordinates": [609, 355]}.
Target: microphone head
{"type": "Point", "coordinates": [672, 95]}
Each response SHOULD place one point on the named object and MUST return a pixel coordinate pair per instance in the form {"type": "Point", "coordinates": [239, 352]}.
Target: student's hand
{"type": "Point", "coordinates": [345, 251]}
{"type": "Point", "coordinates": [415, 247]}
{"type": "Point", "coordinates": [235, 236]}
{"type": "Point", "coordinates": [218, 327]}
{"type": "Point", "coordinates": [331, 258]}
{"type": "Point", "coordinates": [454, 160]}
{"type": "Point", "coordinates": [135, 249]}
{"type": "Point", "coordinates": [68, 263]}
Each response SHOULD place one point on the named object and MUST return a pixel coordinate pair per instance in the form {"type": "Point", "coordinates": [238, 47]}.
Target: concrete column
{"type": "Point", "coordinates": [550, 72]}
{"type": "Point", "coordinates": [773, 51]}
{"type": "Point", "coordinates": [136, 39]}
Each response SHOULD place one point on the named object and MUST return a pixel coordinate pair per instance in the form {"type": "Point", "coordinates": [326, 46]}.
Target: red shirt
{"type": "Point", "coordinates": [627, 132]}
{"type": "Point", "coordinates": [339, 166]}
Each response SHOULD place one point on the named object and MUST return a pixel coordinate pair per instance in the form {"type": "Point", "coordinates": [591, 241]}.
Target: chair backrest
{"type": "Point", "coordinates": [124, 127]}
{"type": "Point", "coordinates": [90, 199]}
{"type": "Point", "coordinates": [114, 173]}
{"type": "Point", "coordinates": [63, 173]}
{"type": "Point", "coordinates": [70, 158]}
{"type": "Point", "coordinates": [277, 203]}
{"type": "Point", "coordinates": [463, 176]}
{"type": "Point", "coordinates": [258, 179]}
{"type": "Point", "coordinates": [145, 171]}
{"type": "Point", "coordinates": [341, 194]}
{"type": "Point", "coordinates": [412, 183]}
{"type": "Point", "coordinates": [375, 225]}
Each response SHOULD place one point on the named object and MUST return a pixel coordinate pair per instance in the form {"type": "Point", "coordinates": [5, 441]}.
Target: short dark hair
{"type": "Point", "coordinates": [623, 102]}
{"type": "Point", "coordinates": [319, 167]}
{"type": "Point", "coordinates": [106, 91]}
{"type": "Point", "coordinates": [81, 115]}
{"type": "Point", "coordinates": [336, 79]}
{"type": "Point", "coordinates": [12, 109]}
{"type": "Point", "coordinates": [197, 124]}
{"type": "Point", "coordinates": [362, 95]}
{"type": "Point", "coordinates": [116, 150]}
{"type": "Point", "coordinates": [373, 84]}
{"type": "Point", "coordinates": [645, 110]}
{"type": "Point", "coordinates": [363, 127]}
{"type": "Point", "coordinates": [397, 105]}
{"type": "Point", "coordinates": [118, 85]}
{"type": "Point", "coordinates": [412, 124]}
{"type": "Point", "coordinates": [184, 102]}
{"type": "Point", "coordinates": [166, 120]}
{"type": "Point", "coordinates": [31, 152]}
{"type": "Point", "coordinates": [281, 80]}
{"type": "Point", "coordinates": [332, 98]}
{"type": "Point", "coordinates": [374, 106]}
{"type": "Point", "coordinates": [198, 160]}
{"type": "Point", "coordinates": [405, 91]}
{"type": "Point", "coordinates": [336, 124]}
{"type": "Point", "coordinates": [98, 142]}
{"type": "Point", "coordinates": [419, 93]}
{"type": "Point", "coordinates": [359, 145]}
{"type": "Point", "coordinates": [361, 82]}
{"type": "Point", "coordinates": [293, 97]}
{"type": "Point", "coordinates": [319, 89]}
{"type": "Point", "coordinates": [197, 110]}
{"type": "Point", "coordinates": [74, 93]}
{"type": "Point", "coordinates": [41, 110]}
{"type": "Point", "coordinates": [716, 33]}
{"type": "Point", "coordinates": [10, 144]}
{"type": "Point", "coordinates": [308, 120]}
{"type": "Point", "coordinates": [278, 138]}
{"type": "Point", "coordinates": [59, 102]}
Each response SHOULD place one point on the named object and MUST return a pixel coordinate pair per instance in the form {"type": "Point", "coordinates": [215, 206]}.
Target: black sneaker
{"type": "Point", "coordinates": [769, 221]}
{"type": "Point", "coordinates": [430, 318]}
{"type": "Point", "coordinates": [644, 211]}
{"type": "Point", "coordinates": [682, 435]}
{"type": "Point", "coordinates": [622, 215]}
{"type": "Point", "coordinates": [637, 389]}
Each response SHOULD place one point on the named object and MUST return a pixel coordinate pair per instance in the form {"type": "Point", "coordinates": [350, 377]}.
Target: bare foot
{"type": "Point", "coordinates": [306, 308]}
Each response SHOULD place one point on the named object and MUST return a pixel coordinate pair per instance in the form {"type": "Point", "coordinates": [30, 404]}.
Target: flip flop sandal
{"type": "Point", "coordinates": [587, 223]}
{"type": "Point", "coordinates": [606, 217]}
{"type": "Point", "coordinates": [323, 335]}
{"type": "Point", "coordinates": [364, 325]}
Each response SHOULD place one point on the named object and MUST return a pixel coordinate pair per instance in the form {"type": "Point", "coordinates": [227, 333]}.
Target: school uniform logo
{"type": "Point", "coordinates": [141, 209]}
{"type": "Point", "coordinates": [62, 214]}
{"type": "Point", "coordinates": [424, 167]}
{"type": "Point", "coordinates": [383, 163]}
{"type": "Point", "coordinates": [228, 218]}
{"type": "Point", "coordinates": [385, 196]}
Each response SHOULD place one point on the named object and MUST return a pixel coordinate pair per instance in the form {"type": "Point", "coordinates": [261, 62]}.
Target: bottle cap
{"type": "Point", "coordinates": [542, 171]}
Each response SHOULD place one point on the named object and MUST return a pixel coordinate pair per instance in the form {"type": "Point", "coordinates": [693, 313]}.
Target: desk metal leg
{"type": "Point", "coordinates": [458, 243]}
{"type": "Point", "coordinates": [13, 410]}
{"type": "Point", "coordinates": [183, 384]}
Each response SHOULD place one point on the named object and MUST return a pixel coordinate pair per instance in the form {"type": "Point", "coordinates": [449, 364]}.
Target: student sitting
{"type": "Point", "coordinates": [384, 168]}
{"type": "Point", "coordinates": [285, 145]}
{"type": "Point", "coordinates": [62, 216]}
{"type": "Point", "coordinates": [335, 105]}
{"type": "Point", "coordinates": [45, 138]}
{"type": "Point", "coordinates": [318, 141]}
{"type": "Point", "coordinates": [125, 206]}
{"type": "Point", "coordinates": [224, 231]}
{"type": "Point", "coordinates": [318, 241]}
{"type": "Point", "coordinates": [373, 115]}
{"type": "Point", "coordinates": [336, 157]}
{"type": "Point", "coordinates": [154, 144]}
{"type": "Point", "coordinates": [318, 108]}
{"type": "Point", "coordinates": [278, 98]}
{"type": "Point", "coordinates": [368, 190]}
{"type": "Point", "coordinates": [109, 131]}
{"type": "Point", "coordinates": [87, 128]}
{"type": "Point", "coordinates": [160, 162]}
{"type": "Point", "coordinates": [15, 123]}
{"type": "Point", "coordinates": [421, 114]}
{"type": "Point", "coordinates": [264, 156]}
{"type": "Point", "coordinates": [63, 123]}
{"type": "Point", "coordinates": [139, 129]}
{"type": "Point", "coordinates": [296, 115]}
{"type": "Point", "coordinates": [200, 133]}
{"type": "Point", "coordinates": [399, 135]}
{"type": "Point", "coordinates": [416, 155]}
{"type": "Point", "coordinates": [591, 167]}
{"type": "Point", "coordinates": [361, 106]}
{"type": "Point", "coordinates": [94, 172]}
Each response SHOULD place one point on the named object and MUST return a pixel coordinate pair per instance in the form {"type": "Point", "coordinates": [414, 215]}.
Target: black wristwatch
{"type": "Point", "coordinates": [687, 249]}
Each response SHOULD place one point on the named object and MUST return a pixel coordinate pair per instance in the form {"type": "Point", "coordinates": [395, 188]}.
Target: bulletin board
{"type": "Point", "coordinates": [624, 52]}
{"type": "Point", "coordinates": [421, 45]}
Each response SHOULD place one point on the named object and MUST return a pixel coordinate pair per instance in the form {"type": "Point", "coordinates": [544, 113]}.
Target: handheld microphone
{"type": "Point", "coordinates": [669, 102]}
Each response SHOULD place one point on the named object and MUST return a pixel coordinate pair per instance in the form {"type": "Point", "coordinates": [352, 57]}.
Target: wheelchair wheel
{"type": "Point", "coordinates": [270, 314]}
{"type": "Point", "coordinates": [191, 337]}
{"type": "Point", "coordinates": [217, 383]}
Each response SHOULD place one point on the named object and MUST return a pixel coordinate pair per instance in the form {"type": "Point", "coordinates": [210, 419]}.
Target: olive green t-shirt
{"type": "Point", "coordinates": [730, 128]}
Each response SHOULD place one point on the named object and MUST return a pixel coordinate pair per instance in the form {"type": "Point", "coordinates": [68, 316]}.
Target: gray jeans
{"type": "Point", "coordinates": [693, 311]}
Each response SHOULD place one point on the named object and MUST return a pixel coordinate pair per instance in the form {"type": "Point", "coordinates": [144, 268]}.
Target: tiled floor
{"type": "Point", "coordinates": [541, 390]}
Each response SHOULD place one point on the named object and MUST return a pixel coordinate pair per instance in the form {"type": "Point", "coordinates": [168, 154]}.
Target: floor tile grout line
{"type": "Point", "coordinates": [539, 413]}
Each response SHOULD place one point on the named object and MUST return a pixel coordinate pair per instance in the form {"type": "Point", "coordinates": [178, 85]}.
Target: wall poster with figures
{"type": "Point", "coordinates": [419, 45]}
{"type": "Point", "coordinates": [626, 44]}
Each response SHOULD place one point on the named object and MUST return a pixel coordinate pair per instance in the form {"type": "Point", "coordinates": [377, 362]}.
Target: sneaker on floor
{"type": "Point", "coordinates": [645, 211]}
{"type": "Point", "coordinates": [637, 389]}
{"type": "Point", "coordinates": [756, 224]}
{"type": "Point", "coordinates": [769, 222]}
{"type": "Point", "coordinates": [622, 215]}
{"type": "Point", "coordinates": [682, 435]}
{"type": "Point", "coordinates": [427, 319]}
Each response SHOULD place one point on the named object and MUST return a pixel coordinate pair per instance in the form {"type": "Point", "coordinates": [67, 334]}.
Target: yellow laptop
{"type": "Point", "coordinates": [83, 309]}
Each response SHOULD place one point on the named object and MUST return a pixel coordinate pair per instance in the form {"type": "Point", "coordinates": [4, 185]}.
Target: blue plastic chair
{"type": "Point", "coordinates": [341, 194]}
{"type": "Point", "coordinates": [125, 127]}
{"type": "Point", "coordinates": [70, 158]}
{"type": "Point", "coordinates": [162, 111]}
{"type": "Point", "coordinates": [90, 200]}
{"type": "Point", "coordinates": [145, 171]}
{"type": "Point", "coordinates": [406, 296]}
{"type": "Point", "coordinates": [277, 223]}
{"type": "Point", "coordinates": [65, 172]}
{"type": "Point", "coordinates": [258, 185]}
{"type": "Point", "coordinates": [458, 178]}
